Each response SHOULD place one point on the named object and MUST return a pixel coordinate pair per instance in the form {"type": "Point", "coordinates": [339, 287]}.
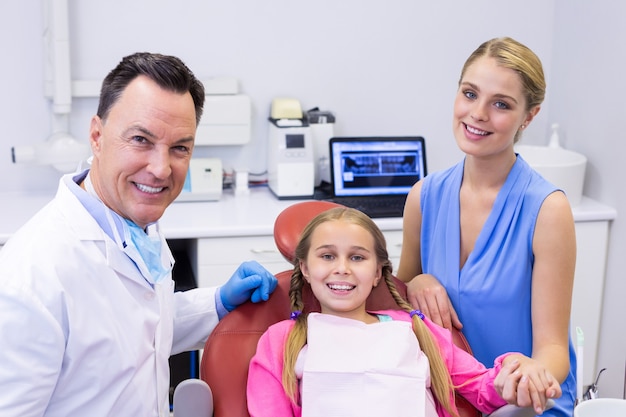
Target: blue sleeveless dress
{"type": "Point", "coordinates": [492, 293]}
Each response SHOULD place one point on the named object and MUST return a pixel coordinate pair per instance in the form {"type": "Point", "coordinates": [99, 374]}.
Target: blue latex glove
{"type": "Point", "coordinates": [249, 282]}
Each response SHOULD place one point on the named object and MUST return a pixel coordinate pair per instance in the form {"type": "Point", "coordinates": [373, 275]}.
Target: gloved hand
{"type": "Point", "coordinates": [249, 282]}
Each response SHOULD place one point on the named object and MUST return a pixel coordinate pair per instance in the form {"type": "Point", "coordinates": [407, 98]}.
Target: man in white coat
{"type": "Point", "coordinates": [88, 313]}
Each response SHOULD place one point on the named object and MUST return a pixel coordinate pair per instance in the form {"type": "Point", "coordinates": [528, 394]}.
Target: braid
{"type": "Point", "coordinates": [441, 383]}
{"type": "Point", "coordinates": [297, 337]}
{"type": "Point", "coordinates": [295, 289]}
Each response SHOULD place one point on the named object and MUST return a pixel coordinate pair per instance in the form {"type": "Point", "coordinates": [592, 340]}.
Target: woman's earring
{"type": "Point", "coordinates": [522, 127]}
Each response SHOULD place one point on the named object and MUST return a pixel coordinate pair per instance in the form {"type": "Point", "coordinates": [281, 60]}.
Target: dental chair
{"type": "Point", "coordinates": [231, 345]}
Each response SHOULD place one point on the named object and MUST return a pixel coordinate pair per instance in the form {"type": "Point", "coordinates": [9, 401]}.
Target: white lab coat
{"type": "Point", "coordinates": [82, 333]}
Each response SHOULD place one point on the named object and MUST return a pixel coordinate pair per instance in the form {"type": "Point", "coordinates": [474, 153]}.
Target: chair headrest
{"type": "Point", "coordinates": [291, 221]}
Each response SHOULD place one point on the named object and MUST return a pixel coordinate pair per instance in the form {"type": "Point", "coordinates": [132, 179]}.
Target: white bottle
{"type": "Point", "coordinates": [554, 137]}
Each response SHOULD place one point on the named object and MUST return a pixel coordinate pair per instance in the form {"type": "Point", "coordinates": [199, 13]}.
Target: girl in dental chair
{"type": "Point", "coordinates": [349, 361]}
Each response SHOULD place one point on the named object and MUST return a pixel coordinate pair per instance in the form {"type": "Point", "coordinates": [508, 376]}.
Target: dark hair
{"type": "Point", "coordinates": [169, 72]}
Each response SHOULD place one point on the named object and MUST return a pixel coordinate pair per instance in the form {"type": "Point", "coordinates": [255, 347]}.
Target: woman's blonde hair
{"type": "Point", "coordinates": [441, 386]}
{"type": "Point", "coordinates": [511, 54]}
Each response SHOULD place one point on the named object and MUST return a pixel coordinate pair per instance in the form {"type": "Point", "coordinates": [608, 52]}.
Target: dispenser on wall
{"type": "Point", "coordinates": [322, 125]}
{"type": "Point", "coordinates": [290, 164]}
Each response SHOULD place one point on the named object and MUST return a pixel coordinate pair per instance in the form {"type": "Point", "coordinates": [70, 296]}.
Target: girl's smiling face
{"type": "Point", "coordinates": [342, 268]}
{"type": "Point", "coordinates": [489, 109]}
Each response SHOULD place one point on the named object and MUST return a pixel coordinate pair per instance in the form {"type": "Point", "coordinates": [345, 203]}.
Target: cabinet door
{"type": "Point", "coordinates": [394, 247]}
{"type": "Point", "coordinates": [591, 251]}
{"type": "Point", "coordinates": [218, 258]}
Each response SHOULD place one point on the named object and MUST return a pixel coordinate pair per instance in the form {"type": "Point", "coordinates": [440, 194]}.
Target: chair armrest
{"type": "Point", "coordinates": [193, 398]}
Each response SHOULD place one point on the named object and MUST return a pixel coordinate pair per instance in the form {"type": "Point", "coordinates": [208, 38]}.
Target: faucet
{"type": "Point", "coordinates": [592, 390]}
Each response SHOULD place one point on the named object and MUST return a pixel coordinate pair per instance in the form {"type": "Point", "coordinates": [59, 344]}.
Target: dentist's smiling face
{"type": "Point", "coordinates": [142, 150]}
{"type": "Point", "coordinates": [342, 268]}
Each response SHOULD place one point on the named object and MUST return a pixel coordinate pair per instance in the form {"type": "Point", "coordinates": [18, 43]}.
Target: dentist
{"type": "Point", "coordinates": [88, 313]}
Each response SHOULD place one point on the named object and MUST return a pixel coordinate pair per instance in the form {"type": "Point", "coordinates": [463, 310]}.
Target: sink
{"type": "Point", "coordinates": [563, 168]}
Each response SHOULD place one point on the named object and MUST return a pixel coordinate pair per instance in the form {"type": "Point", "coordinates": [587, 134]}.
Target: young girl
{"type": "Point", "coordinates": [350, 361]}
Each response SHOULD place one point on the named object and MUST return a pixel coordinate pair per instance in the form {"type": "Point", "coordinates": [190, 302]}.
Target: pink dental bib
{"type": "Point", "coordinates": [357, 369]}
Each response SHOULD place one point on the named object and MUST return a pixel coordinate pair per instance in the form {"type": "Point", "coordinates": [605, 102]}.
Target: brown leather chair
{"type": "Point", "coordinates": [232, 344]}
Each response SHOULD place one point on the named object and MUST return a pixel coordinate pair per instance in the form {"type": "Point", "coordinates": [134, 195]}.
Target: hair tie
{"type": "Point", "coordinates": [415, 312]}
{"type": "Point", "coordinates": [295, 314]}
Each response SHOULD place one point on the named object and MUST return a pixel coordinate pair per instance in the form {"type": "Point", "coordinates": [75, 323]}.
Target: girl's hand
{"type": "Point", "coordinates": [524, 382]}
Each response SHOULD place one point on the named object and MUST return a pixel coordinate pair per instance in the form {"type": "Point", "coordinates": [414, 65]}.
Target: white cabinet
{"type": "Point", "coordinates": [394, 247]}
{"type": "Point", "coordinates": [591, 251]}
{"type": "Point", "coordinates": [218, 258]}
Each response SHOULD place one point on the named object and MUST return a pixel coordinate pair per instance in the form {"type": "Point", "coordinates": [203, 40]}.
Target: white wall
{"type": "Point", "coordinates": [588, 91]}
{"type": "Point", "coordinates": [382, 68]}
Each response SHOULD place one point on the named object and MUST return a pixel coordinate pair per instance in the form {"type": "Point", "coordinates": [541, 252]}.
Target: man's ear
{"type": "Point", "coordinates": [95, 134]}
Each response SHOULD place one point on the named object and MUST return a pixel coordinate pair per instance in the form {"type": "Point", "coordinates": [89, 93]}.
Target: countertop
{"type": "Point", "coordinates": [232, 216]}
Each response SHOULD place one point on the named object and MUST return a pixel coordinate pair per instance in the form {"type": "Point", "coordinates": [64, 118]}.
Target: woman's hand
{"type": "Point", "coordinates": [428, 295]}
{"type": "Point", "coordinates": [524, 382]}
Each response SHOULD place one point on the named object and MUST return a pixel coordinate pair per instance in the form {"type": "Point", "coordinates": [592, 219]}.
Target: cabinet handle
{"type": "Point", "coordinates": [253, 250]}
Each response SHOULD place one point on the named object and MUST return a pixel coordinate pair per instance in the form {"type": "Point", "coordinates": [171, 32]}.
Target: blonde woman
{"type": "Point", "coordinates": [488, 244]}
